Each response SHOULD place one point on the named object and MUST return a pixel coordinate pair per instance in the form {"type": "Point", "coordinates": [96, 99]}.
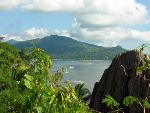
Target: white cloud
{"type": "Point", "coordinates": [10, 4]}
{"type": "Point", "coordinates": [96, 21]}
{"type": "Point", "coordinates": [36, 33]}
{"type": "Point", "coordinates": [112, 12]}
{"type": "Point", "coordinates": [94, 12]}
{"type": "Point", "coordinates": [99, 21]}
{"type": "Point", "coordinates": [87, 12]}
{"type": "Point", "coordinates": [53, 5]}
{"type": "Point", "coordinates": [61, 33]}
{"type": "Point", "coordinates": [110, 36]}
{"type": "Point", "coordinates": [28, 34]}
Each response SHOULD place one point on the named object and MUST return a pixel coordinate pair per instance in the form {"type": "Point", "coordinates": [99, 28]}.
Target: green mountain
{"type": "Point", "coordinates": [61, 47]}
{"type": "Point", "coordinates": [12, 41]}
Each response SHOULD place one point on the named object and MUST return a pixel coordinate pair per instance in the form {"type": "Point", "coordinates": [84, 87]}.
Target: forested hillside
{"type": "Point", "coordinates": [61, 47]}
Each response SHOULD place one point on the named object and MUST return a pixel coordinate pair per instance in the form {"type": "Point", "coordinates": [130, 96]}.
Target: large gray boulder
{"type": "Point", "coordinates": [120, 80]}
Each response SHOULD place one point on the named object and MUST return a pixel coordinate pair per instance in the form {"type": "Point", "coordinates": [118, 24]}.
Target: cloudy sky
{"type": "Point", "coordinates": [100, 22]}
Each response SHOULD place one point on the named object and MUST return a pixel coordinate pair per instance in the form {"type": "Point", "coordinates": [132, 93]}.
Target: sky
{"type": "Point", "coordinates": [102, 22]}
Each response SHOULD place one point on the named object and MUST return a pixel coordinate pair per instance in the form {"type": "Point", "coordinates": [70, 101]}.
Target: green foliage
{"type": "Point", "coordinates": [146, 65]}
{"type": "Point", "coordinates": [27, 85]}
{"type": "Point", "coordinates": [143, 46]}
{"type": "Point", "coordinates": [129, 100]}
{"type": "Point", "coordinates": [110, 102]}
{"type": "Point", "coordinates": [83, 92]}
{"type": "Point", "coordinates": [146, 103]}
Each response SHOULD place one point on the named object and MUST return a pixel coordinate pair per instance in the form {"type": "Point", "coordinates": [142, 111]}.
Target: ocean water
{"type": "Point", "coordinates": [82, 71]}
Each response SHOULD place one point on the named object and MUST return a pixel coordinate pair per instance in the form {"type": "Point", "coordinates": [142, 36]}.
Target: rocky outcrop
{"type": "Point", "coordinates": [120, 80]}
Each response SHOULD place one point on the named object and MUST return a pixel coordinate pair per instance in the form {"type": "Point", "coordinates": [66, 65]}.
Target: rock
{"type": "Point", "coordinates": [120, 80]}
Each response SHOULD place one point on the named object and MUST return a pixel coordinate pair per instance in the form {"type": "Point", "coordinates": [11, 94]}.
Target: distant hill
{"type": "Point", "coordinates": [12, 41]}
{"type": "Point", "coordinates": [61, 47]}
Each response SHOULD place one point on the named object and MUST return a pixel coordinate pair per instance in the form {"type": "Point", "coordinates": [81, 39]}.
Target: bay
{"type": "Point", "coordinates": [82, 71]}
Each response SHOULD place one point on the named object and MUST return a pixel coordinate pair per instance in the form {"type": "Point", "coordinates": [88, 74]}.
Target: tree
{"type": "Point", "coordinates": [83, 92]}
{"type": "Point", "coordinates": [27, 85]}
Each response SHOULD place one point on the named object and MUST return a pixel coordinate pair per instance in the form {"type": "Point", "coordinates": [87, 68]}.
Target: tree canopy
{"type": "Point", "coordinates": [27, 85]}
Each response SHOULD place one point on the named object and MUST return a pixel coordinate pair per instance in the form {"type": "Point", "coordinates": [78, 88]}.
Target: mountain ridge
{"type": "Point", "coordinates": [61, 47]}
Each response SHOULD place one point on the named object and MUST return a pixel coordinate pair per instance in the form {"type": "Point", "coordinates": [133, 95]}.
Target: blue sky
{"type": "Point", "coordinates": [100, 22]}
{"type": "Point", "coordinates": [16, 21]}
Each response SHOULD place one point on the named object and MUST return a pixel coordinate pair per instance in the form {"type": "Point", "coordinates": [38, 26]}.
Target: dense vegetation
{"type": "Point", "coordinates": [60, 47]}
{"type": "Point", "coordinates": [28, 86]}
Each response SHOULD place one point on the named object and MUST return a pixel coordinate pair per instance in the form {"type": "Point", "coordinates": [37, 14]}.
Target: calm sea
{"type": "Point", "coordinates": [87, 71]}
